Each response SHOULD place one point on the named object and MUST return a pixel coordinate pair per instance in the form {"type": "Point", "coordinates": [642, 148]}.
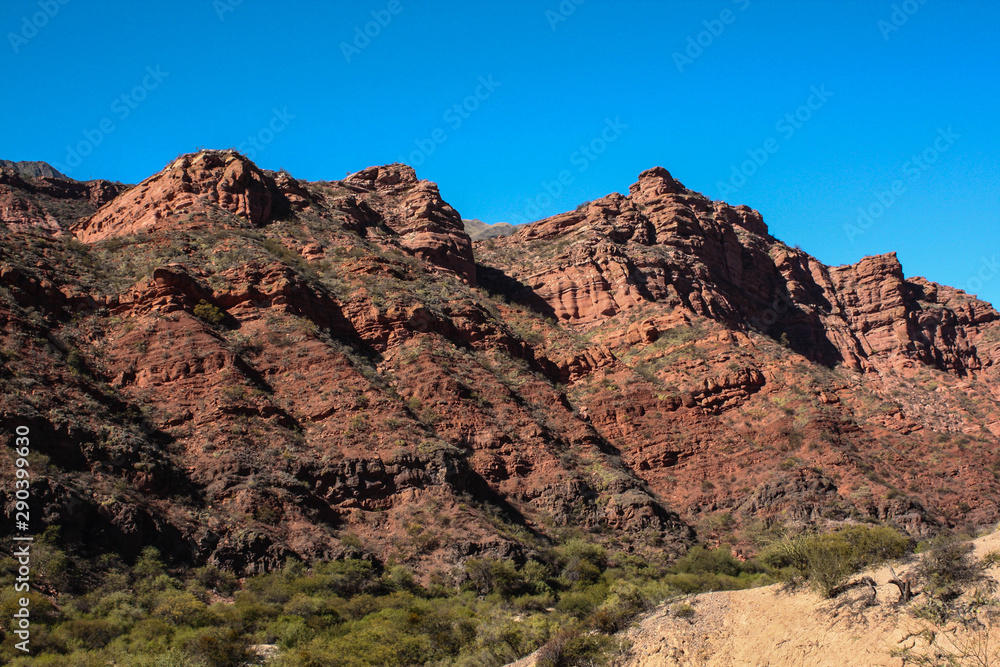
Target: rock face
{"type": "Point", "coordinates": [663, 244]}
{"type": "Point", "coordinates": [430, 228]}
{"type": "Point", "coordinates": [239, 367]}
{"type": "Point", "coordinates": [190, 185]}
{"type": "Point", "coordinates": [50, 203]}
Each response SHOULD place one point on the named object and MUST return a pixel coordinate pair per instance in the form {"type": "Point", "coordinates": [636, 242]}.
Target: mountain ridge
{"type": "Point", "coordinates": [261, 368]}
{"type": "Point", "coordinates": [33, 169]}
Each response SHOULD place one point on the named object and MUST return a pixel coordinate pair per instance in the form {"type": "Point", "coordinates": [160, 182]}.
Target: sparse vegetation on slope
{"type": "Point", "coordinates": [245, 371]}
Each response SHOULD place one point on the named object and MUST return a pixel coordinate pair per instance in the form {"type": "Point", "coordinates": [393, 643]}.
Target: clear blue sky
{"type": "Point", "coordinates": [223, 69]}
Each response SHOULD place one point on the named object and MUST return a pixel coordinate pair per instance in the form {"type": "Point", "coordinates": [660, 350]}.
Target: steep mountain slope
{"type": "Point", "coordinates": [255, 388]}
{"type": "Point", "coordinates": [239, 367]}
{"type": "Point", "coordinates": [807, 391]}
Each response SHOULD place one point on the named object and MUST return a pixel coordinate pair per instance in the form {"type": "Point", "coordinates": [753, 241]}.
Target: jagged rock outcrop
{"type": "Point", "coordinates": [223, 178]}
{"type": "Point", "coordinates": [661, 243]}
{"type": "Point", "coordinates": [430, 228]}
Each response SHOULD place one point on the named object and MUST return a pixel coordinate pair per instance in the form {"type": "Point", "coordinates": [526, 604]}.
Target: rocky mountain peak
{"type": "Point", "coordinates": [184, 192]}
{"type": "Point", "coordinates": [654, 183]}
{"type": "Point", "coordinates": [428, 226]}
{"type": "Point", "coordinates": [384, 177]}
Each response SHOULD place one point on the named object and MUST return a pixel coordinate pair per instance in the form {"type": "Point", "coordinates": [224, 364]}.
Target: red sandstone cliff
{"type": "Point", "coordinates": [238, 367]}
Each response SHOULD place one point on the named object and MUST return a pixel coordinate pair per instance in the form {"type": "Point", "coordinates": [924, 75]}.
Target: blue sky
{"type": "Point", "coordinates": [812, 112]}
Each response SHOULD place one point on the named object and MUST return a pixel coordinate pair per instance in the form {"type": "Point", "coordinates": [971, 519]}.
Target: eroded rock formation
{"type": "Point", "coordinates": [239, 367]}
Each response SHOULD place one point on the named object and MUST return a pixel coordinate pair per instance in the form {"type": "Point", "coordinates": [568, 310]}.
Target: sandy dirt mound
{"type": "Point", "coordinates": [766, 626]}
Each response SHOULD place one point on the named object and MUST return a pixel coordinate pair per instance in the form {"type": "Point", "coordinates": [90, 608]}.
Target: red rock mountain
{"type": "Point", "coordinates": [238, 367]}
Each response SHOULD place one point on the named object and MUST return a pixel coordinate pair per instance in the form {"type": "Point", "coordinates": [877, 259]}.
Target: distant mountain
{"type": "Point", "coordinates": [32, 169]}
{"type": "Point", "coordinates": [479, 230]}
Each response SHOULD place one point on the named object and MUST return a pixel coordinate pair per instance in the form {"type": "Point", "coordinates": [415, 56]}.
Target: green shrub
{"type": "Point", "coordinates": [786, 553]}
{"type": "Point", "coordinates": [75, 659]}
{"type": "Point", "coordinates": [290, 631]}
{"type": "Point", "coordinates": [209, 313]}
{"type": "Point", "coordinates": [211, 577]}
{"type": "Point", "coordinates": [875, 544]}
{"type": "Point", "coordinates": [582, 561]}
{"type": "Point", "coordinates": [830, 561]}
{"type": "Point", "coordinates": [149, 564]}
{"type": "Point", "coordinates": [217, 647]}
{"type": "Point", "coordinates": [489, 575]}
{"type": "Point", "coordinates": [119, 605]}
{"type": "Point", "coordinates": [577, 603]}
{"type": "Point", "coordinates": [624, 603]}
{"type": "Point", "coordinates": [827, 559]}
{"type": "Point", "coordinates": [180, 607]}
{"type": "Point", "coordinates": [76, 362]}
{"type": "Point", "coordinates": [571, 647]}
{"type": "Point", "coordinates": [500, 639]}
{"type": "Point", "coordinates": [702, 569]}
{"type": "Point", "coordinates": [346, 578]}
{"type": "Point", "coordinates": [169, 657]}
{"type": "Point", "coordinates": [716, 561]}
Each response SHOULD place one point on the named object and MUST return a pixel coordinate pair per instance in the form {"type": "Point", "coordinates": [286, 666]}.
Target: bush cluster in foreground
{"type": "Point", "coordinates": [569, 602]}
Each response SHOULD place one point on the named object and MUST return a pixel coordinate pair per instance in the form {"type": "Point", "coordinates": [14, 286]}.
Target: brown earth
{"type": "Point", "coordinates": [239, 367]}
{"type": "Point", "coordinates": [768, 626]}
{"type": "Point", "coordinates": [778, 627]}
